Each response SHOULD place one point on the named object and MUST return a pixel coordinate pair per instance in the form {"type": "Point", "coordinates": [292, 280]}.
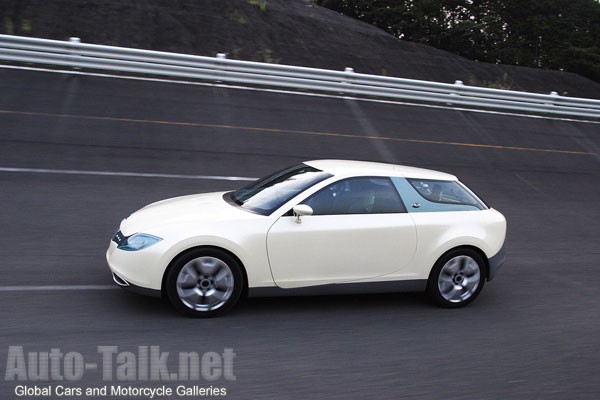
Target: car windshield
{"type": "Point", "coordinates": [271, 192]}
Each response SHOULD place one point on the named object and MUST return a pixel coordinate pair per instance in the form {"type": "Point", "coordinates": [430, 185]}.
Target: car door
{"type": "Point", "coordinates": [359, 230]}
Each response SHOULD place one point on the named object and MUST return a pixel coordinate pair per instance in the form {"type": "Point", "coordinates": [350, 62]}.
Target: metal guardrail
{"type": "Point", "coordinates": [73, 54]}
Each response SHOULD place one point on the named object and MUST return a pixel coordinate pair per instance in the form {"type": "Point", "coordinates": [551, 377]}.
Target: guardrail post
{"type": "Point", "coordinates": [348, 71]}
{"type": "Point", "coordinates": [555, 95]}
{"type": "Point", "coordinates": [458, 85]}
{"type": "Point", "coordinates": [220, 57]}
{"type": "Point", "coordinates": [74, 52]}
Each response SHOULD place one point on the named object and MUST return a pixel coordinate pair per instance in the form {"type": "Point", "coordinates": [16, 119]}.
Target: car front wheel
{"type": "Point", "coordinates": [204, 282]}
{"type": "Point", "coordinates": [456, 278]}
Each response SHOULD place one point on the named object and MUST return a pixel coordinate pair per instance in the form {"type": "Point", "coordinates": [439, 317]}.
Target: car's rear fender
{"type": "Point", "coordinates": [440, 232]}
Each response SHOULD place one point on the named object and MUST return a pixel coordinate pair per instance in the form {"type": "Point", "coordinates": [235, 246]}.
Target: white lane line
{"type": "Point", "coordinates": [128, 174]}
{"type": "Point", "coordinates": [56, 287]}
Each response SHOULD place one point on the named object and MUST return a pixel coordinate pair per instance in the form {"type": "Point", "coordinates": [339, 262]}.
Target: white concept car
{"type": "Point", "coordinates": [320, 227]}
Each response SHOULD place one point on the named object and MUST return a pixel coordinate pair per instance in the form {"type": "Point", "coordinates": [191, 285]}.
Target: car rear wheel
{"type": "Point", "coordinates": [204, 282]}
{"type": "Point", "coordinates": [456, 278]}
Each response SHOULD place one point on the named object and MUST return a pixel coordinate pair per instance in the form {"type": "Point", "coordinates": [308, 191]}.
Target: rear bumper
{"type": "Point", "coordinates": [496, 262]}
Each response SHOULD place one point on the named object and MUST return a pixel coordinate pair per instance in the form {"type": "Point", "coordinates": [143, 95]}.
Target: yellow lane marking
{"type": "Point", "coordinates": [298, 132]}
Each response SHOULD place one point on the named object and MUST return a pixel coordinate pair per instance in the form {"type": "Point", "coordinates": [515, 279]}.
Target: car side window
{"type": "Point", "coordinates": [448, 193]}
{"type": "Point", "coordinates": [421, 195]}
{"type": "Point", "coordinates": [364, 195]}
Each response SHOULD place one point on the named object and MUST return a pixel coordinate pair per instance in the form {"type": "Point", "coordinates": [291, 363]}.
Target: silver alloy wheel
{"type": "Point", "coordinates": [459, 279]}
{"type": "Point", "coordinates": [205, 283]}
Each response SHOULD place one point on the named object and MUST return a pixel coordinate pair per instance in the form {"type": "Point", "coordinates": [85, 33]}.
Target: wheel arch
{"type": "Point", "coordinates": [205, 247]}
{"type": "Point", "coordinates": [476, 249]}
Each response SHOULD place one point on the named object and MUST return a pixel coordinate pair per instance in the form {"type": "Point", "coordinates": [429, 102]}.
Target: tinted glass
{"type": "Point", "coordinates": [271, 192]}
{"type": "Point", "coordinates": [367, 195]}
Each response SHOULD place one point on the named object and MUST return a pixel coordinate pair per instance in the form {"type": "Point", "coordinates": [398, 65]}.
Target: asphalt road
{"type": "Point", "coordinates": [532, 334]}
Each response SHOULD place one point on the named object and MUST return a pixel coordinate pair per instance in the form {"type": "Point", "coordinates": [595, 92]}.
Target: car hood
{"type": "Point", "coordinates": [207, 207]}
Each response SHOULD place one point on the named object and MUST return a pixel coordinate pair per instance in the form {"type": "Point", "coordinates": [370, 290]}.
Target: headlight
{"type": "Point", "coordinates": [137, 241]}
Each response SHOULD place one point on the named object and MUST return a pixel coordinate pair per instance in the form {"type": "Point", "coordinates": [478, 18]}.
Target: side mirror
{"type": "Point", "coordinates": [300, 210]}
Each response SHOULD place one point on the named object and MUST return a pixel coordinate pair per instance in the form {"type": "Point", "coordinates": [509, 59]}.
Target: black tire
{"type": "Point", "coordinates": [204, 282]}
{"type": "Point", "coordinates": [457, 278]}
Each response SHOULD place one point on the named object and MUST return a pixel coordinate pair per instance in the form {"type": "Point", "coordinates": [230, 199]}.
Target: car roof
{"type": "Point", "coordinates": [367, 168]}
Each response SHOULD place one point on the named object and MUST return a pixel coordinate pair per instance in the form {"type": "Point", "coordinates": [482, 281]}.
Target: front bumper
{"type": "Point", "coordinates": [135, 289]}
{"type": "Point", "coordinates": [496, 262]}
{"type": "Point", "coordinates": [136, 271]}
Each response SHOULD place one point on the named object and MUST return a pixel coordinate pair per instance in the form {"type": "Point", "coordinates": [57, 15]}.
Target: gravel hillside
{"type": "Point", "coordinates": [294, 32]}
